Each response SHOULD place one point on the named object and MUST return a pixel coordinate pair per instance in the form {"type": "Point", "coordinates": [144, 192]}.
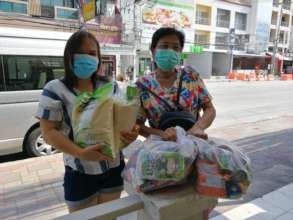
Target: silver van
{"type": "Point", "coordinates": [28, 60]}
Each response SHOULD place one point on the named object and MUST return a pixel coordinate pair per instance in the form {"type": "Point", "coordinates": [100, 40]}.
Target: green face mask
{"type": "Point", "coordinates": [167, 59]}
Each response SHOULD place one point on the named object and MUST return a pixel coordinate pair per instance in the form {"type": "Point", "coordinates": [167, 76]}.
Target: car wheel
{"type": "Point", "coordinates": [36, 146]}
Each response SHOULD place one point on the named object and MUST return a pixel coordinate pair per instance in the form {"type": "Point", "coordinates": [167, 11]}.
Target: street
{"type": "Point", "coordinates": [242, 102]}
{"type": "Point", "coordinates": [257, 116]}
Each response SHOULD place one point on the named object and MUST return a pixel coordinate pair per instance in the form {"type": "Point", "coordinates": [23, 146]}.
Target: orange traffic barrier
{"type": "Point", "coordinates": [261, 78]}
{"type": "Point", "coordinates": [271, 77]}
{"type": "Point", "coordinates": [230, 75]}
{"type": "Point", "coordinates": [252, 76]}
{"type": "Point", "coordinates": [240, 76]}
{"type": "Point", "coordinates": [286, 77]}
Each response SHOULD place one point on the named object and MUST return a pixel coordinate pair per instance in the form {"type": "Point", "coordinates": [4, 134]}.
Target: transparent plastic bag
{"type": "Point", "coordinates": [157, 164]}
{"type": "Point", "coordinates": [223, 170]}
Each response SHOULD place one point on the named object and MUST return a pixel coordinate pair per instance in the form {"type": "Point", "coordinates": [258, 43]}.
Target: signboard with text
{"type": "Point", "coordinates": [172, 13]}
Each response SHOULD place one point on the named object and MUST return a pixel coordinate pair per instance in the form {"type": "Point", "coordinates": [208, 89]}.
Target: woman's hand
{"type": "Point", "coordinates": [93, 153]}
{"type": "Point", "coordinates": [130, 136]}
{"type": "Point", "coordinates": [198, 132]}
{"type": "Point", "coordinates": [169, 134]}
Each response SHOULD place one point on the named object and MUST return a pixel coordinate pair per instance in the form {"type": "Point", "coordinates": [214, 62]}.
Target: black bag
{"type": "Point", "coordinates": [174, 116]}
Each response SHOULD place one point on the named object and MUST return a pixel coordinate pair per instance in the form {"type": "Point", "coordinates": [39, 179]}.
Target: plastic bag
{"type": "Point", "coordinates": [223, 170]}
{"type": "Point", "coordinates": [99, 117]}
{"type": "Point", "coordinates": [157, 164]}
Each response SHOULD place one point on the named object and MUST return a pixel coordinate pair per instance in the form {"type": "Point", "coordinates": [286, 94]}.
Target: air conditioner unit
{"type": "Point", "coordinates": [47, 11]}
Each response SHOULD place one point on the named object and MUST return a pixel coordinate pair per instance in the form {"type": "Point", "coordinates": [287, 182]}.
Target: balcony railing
{"type": "Point", "coordinates": [287, 6]}
{"type": "Point", "coordinates": [223, 23]}
{"type": "Point", "coordinates": [285, 23]}
{"type": "Point", "coordinates": [221, 45]}
{"type": "Point", "coordinates": [202, 40]}
{"type": "Point", "coordinates": [203, 20]}
{"type": "Point", "coordinates": [240, 25]}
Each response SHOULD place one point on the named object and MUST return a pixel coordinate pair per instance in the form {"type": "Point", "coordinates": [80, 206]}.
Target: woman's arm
{"type": "Point", "coordinates": [55, 138]}
{"type": "Point", "coordinates": [209, 114]}
{"type": "Point", "coordinates": [168, 135]}
{"type": "Point", "coordinates": [147, 131]}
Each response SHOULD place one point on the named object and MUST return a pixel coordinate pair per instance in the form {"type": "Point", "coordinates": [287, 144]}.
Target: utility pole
{"type": "Point", "coordinates": [232, 40]}
{"type": "Point", "coordinates": [276, 40]}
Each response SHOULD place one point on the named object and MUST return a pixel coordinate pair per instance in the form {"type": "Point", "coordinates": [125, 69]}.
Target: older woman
{"type": "Point", "coordinates": [159, 90]}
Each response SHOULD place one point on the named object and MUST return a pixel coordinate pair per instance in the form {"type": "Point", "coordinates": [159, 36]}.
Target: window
{"type": "Point", "coordinates": [2, 86]}
{"type": "Point", "coordinates": [14, 7]}
{"type": "Point", "coordinates": [222, 41]}
{"type": "Point", "coordinates": [241, 42]}
{"type": "Point", "coordinates": [63, 3]}
{"type": "Point", "coordinates": [30, 73]}
{"type": "Point", "coordinates": [202, 38]}
{"type": "Point", "coordinates": [223, 18]}
{"type": "Point", "coordinates": [240, 21]}
{"type": "Point", "coordinates": [67, 13]}
{"type": "Point", "coordinates": [202, 18]}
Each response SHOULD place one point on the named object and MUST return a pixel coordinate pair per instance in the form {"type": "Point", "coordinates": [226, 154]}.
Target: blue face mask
{"type": "Point", "coordinates": [84, 65]}
{"type": "Point", "coordinates": [167, 59]}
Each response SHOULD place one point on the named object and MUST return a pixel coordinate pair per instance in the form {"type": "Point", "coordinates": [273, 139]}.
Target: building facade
{"type": "Point", "coordinates": [221, 35]}
{"type": "Point", "coordinates": [64, 16]}
{"type": "Point", "coordinates": [281, 30]}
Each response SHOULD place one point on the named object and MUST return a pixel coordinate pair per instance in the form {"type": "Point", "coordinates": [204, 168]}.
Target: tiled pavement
{"type": "Point", "coordinates": [277, 205]}
{"type": "Point", "coordinates": [32, 188]}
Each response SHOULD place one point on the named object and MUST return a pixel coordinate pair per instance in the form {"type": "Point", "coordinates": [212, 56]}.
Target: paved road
{"type": "Point", "coordinates": [239, 102]}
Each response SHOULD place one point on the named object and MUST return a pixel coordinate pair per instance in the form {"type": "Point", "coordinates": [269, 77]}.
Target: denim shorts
{"type": "Point", "coordinates": [80, 188]}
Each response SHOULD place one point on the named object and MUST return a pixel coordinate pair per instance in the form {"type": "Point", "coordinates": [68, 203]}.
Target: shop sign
{"type": "Point", "coordinates": [184, 56]}
{"type": "Point", "coordinates": [107, 29]}
{"type": "Point", "coordinates": [196, 49]}
{"type": "Point", "coordinates": [88, 9]}
{"type": "Point", "coordinates": [172, 13]}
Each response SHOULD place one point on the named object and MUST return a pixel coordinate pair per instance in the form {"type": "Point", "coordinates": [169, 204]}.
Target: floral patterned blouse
{"type": "Point", "coordinates": [193, 95]}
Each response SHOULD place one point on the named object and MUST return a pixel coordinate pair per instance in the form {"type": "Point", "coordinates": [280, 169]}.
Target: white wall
{"type": "Point", "coordinates": [201, 62]}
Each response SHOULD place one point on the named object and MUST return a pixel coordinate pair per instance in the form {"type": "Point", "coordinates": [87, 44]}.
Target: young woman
{"type": "Point", "coordinates": [90, 177]}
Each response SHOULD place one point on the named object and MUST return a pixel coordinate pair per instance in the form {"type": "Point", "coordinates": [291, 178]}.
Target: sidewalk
{"type": "Point", "coordinates": [32, 188]}
{"type": "Point", "coordinates": [277, 205]}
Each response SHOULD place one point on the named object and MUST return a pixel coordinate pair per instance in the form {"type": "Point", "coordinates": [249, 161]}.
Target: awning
{"type": "Point", "coordinates": [280, 56]}
{"type": "Point", "coordinates": [249, 55]}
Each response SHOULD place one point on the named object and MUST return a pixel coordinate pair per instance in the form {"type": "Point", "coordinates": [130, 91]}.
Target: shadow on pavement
{"type": "Point", "coordinates": [13, 157]}
{"type": "Point", "coordinates": [271, 156]}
